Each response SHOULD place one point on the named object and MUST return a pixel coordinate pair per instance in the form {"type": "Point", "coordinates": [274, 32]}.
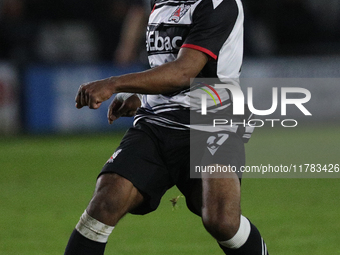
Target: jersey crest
{"type": "Point", "coordinates": [179, 13]}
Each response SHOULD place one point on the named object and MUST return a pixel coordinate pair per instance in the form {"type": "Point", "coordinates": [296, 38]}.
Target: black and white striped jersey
{"type": "Point", "coordinates": [214, 27]}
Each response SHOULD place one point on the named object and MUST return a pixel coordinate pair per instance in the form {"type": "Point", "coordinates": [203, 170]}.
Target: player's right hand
{"type": "Point", "coordinates": [92, 94]}
{"type": "Point", "coordinates": [123, 108]}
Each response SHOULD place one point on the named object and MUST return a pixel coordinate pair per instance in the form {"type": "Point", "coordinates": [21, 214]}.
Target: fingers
{"type": "Point", "coordinates": [118, 110]}
{"type": "Point", "coordinates": [79, 97]}
{"type": "Point", "coordinates": [125, 108]}
{"type": "Point", "coordinates": [113, 110]}
{"type": "Point", "coordinates": [84, 98]}
{"type": "Point", "coordinates": [92, 94]}
{"type": "Point", "coordinates": [93, 103]}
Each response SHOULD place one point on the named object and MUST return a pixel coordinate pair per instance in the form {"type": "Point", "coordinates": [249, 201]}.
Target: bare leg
{"type": "Point", "coordinates": [221, 216]}
{"type": "Point", "coordinates": [113, 198]}
{"type": "Point", "coordinates": [221, 209]}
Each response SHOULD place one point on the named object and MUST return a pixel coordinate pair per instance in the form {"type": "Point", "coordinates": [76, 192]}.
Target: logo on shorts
{"type": "Point", "coordinates": [214, 142]}
{"type": "Point", "coordinates": [114, 155]}
{"type": "Point", "coordinates": [179, 13]}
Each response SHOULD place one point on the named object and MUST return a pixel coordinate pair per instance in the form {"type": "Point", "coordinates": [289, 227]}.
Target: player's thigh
{"type": "Point", "coordinates": [214, 196]}
{"type": "Point", "coordinates": [139, 159]}
{"type": "Point", "coordinates": [223, 158]}
{"type": "Point", "coordinates": [221, 196]}
{"type": "Point", "coordinates": [221, 187]}
{"type": "Point", "coordinates": [221, 208]}
{"type": "Point", "coordinates": [221, 151]}
{"type": "Point", "coordinates": [114, 196]}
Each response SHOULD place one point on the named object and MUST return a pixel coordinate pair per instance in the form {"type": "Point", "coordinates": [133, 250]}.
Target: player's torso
{"type": "Point", "coordinates": [174, 24]}
{"type": "Point", "coordinates": [169, 24]}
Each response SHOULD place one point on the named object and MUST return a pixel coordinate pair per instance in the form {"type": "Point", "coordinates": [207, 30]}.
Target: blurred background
{"type": "Point", "coordinates": [48, 48]}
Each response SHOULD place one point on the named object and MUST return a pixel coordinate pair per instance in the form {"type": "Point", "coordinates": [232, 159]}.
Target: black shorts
{"type": "Point", "coordinates": [155, 158]}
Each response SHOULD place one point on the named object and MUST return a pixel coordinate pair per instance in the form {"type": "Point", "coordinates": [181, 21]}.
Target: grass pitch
{"type": "Point", "coordinates": [46, 183]}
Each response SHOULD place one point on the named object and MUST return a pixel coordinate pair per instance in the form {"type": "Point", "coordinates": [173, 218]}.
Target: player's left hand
{"type": "Point", "coordinates": [92, 94]}
{"type": "Point", "coordinates": [123, 108]}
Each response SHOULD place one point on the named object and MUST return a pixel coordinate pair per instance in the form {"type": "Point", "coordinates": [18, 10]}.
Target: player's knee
{"type": "Point", "coordinates": [110, 201]}
{"type": "Point", "coordinates": [105, 205]}
{"type": "Point", "coordinates": [105, 210]}
{"type": "Point", "coordinates": [220, 225]}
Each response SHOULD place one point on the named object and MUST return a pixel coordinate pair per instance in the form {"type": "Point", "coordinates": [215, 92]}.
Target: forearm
{"type": "Point", "coordinates": [160, 80]}
{"type": "Point", "coordinates": [167, 78]}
